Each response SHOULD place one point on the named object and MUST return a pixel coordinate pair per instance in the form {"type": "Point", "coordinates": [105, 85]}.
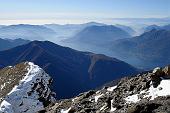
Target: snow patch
{"type": "Point", "coordinates": [156, 69]}
{"type": "Point", "coordinates": [112, 108]}
{"type": "Point", "coordinates": [132, 98]}
{"type": "Point", "coordinates": [65, 111]}
{"type": "Point", "coordinates": [97, 92]}
{"type": "Point", "coordinates": [161, 90]}
{"type": "Point", "coordinates": [97, 97]}
{"type": "Point", "coordinates": [6, 107]}
{"type": "Point", "coordinates": [111, 88]}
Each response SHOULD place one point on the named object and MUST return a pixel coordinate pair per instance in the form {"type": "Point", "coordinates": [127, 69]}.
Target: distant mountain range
{"type": "Point", "coordinates": [99, 35]}
{"type": "Point", "coordinates": [149, 50]}
{"type": "Point", "coordinates": [50, 32]}
{"type": "Point", "coordinates": [127, 29]}
{"type": "Point", "coordinates": [146, 21]}
{"type": "Point", "coordinates": [69, 30]}
{"type": "Point", "coordinates": [96, 38]}
{"type": "Point", "coordinates": [140, 51]}
{"type": "Point", "coordinates": [29, 32]}
{"type": "Point", "coordinates": [73, 71]}
{"type": "Point", "coordinates": [9, 43]}
{"type": "Point", "coordinates": [114, 41]}
{"type": "Point", "coordinates": [150, 28]}
{"type": "Point", "coordinates": [156, 27]}
{"type": "Point", "coordinates": [26, 87]}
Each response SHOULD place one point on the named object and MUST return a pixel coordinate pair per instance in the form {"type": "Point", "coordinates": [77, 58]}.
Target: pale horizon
{"type": "Point", "coordinates": [111, 21]}
{"type": "Point", "coordinates": [79, 11]}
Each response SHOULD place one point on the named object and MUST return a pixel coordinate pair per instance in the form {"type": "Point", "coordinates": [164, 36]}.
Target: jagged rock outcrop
{"type": "Point", "coordinates": [148, 92]}
{"type": "Point", "coordinates": [24, 88]}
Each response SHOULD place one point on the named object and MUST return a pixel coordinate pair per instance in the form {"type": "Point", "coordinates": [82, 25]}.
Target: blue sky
{"type": "Point", "coordinates": [67, 11]}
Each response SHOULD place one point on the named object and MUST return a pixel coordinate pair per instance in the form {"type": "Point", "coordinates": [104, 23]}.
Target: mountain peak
{"type": "Point", "coordinates": [98, 35]}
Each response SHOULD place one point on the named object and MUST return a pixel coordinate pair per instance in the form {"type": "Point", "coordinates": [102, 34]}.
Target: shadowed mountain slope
{"type": "Point", "coordinates": [151, 49]}
{"type": "Point", "coordinates": [72, 71]}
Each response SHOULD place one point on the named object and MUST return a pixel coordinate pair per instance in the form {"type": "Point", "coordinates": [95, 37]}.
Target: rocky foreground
{"type": "Point", "coordinates": [24, 88]}
{"type": "Point", "coordinates": [145, 93]}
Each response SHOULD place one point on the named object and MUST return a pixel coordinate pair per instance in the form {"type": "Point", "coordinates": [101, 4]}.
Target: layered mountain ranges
{"type": "Point", "coordinates": [50, 32]}
{"type": "Point", "coordinates": [92, 36]}
{"type": "Point", "coordinates": [25, 31]}
{"type": "Point", "coordinates": [145, 51]}
{"type": "Point", "coordinates": [73, 71]}
{"type": "Point", "coordinates": [99, 35]}
{"type": "Point", "coordinates": [156, 27]}
{"type": "Point", "coordinates": [25, 85]}
{"type": "Point", "coordinates": [100, 38]}
{"type": "Point", "coordinates": [96, 39]}
{"type": "Point", "coordinates": [69, 30]}
{"type": "Point", "coordinates": [148, 50]}
{"type": "Point", "coordinates": [8, 43]}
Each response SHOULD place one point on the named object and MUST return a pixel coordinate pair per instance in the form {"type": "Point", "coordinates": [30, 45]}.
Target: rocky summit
{"type": "Point", "coordinates": [24, 88]}
{"type": "Point", "coordinates": [144, 93]}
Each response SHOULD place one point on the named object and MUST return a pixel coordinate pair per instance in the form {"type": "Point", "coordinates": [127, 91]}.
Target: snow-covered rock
{"type": "Point", "coordinates": [65, 111]}
{"type": "Point", "coordinates": [161, 90]}
{"type": "Point", "coordinates": [30, 94]}
{"type": "Point", "coordinates": [97, 97]}
{"type": "Point", "coordinates": [112, 108]}
{"type": "Point", "coordinates": [111, 88]}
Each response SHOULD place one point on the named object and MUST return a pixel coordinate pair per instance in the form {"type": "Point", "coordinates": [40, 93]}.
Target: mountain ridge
{"type": "Point", "coordinates": [26, 31]}
{"type": "Point", "coordinates": [147, 48]}
{"type": "Point", "coordinates": [24, 88]}
{"type": "Point", "coordinates": [69, 66]}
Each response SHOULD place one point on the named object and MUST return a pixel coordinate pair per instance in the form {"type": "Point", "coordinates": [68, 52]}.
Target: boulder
{"type": "Point", "coordinates": [156, 76]}
{"type": "Point", "coordinates": [158, 72]}
{"type": "Point", "coordinates": [166, 70]}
